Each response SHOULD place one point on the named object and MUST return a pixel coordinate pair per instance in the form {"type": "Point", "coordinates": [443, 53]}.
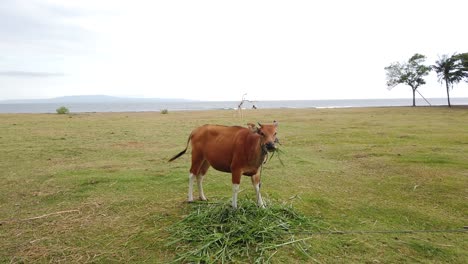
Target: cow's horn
{"type": "Point", "coordinates": [259, 124]}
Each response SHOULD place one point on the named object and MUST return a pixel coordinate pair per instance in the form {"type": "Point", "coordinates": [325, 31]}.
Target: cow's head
{"type": "Point", "coordinates": [268, 135]}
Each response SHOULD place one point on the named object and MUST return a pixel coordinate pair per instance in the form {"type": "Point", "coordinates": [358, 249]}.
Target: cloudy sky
{"type": "Point", "coordinates": [219, 50]}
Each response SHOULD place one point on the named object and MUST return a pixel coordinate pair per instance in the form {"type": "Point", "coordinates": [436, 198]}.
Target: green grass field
{"type": "Point", "coordinates": [97, 187]}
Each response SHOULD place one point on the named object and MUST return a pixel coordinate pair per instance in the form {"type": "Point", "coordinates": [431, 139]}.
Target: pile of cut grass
{"type": "Point", "coordinates": [215, 232]}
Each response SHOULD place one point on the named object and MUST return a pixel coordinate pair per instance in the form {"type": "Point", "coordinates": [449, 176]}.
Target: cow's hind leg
{"type": "Point", "coordinates": [190, 187]}
{"type": "Point", "coordinates": [203, 170]}
{"type": "Point", "coordinates": [256, 184]}
{"type": "Point", "coordinates": [197, 162]}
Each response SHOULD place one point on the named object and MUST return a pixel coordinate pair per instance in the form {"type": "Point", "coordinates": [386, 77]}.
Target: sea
{"type": "Point", "coordinates": [129, 106]}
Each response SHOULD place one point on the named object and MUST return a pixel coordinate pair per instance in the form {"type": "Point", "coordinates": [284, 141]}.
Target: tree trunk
{"type": "Point", "coordinates": [414, 97]}
{"type": "Point", "coordinates": [448, 93]}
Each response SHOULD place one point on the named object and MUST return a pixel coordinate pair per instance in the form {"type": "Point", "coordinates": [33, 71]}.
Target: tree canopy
{"type": "Point", "coordinates": [451, 70]}
{"type": "Point", "coordinates": [411, 73]}
{"type": "Point", "coordinates": [463, 57]}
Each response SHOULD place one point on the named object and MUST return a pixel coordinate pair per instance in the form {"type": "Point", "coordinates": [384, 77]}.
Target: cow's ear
{"type": "Point", "coordinates": [275, 123]}
{"type": "Point", "coordinates": [252, 127]}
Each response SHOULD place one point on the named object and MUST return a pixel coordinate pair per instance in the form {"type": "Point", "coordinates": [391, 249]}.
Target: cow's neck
{"type": "Point", "coordinates": [258, 151]}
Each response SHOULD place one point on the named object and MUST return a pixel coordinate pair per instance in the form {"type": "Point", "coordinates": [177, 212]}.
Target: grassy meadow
{"type": "Point", "coordinates": [97, 187]}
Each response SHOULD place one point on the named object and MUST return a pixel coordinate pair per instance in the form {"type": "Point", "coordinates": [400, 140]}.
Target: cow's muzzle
{"type": "Point", "coordinates": [270, 146]}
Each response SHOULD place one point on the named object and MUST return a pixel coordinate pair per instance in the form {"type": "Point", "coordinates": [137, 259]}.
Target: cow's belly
{"type": "Point", "coordinates": [224, 167]}
{"type": "Point", "coordinates": [250, 171]}
{"type": "Point", "coordinates": [221, 167]}
{"type": "Point", "coordinates": [218, 161]}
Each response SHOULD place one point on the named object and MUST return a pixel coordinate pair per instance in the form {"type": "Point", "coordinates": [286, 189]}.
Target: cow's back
{"type": "Point", "coordinates": [216, 144]}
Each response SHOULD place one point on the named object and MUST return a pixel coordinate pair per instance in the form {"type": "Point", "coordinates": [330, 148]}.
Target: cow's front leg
{"type": "Point", "coordinates": [236, 175]}
{"type": "Point", "coordinates": [256, 184]}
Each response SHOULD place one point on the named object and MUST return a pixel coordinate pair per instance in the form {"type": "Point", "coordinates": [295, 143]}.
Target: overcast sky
{"type": "Point", "coordinates": [219, 50]}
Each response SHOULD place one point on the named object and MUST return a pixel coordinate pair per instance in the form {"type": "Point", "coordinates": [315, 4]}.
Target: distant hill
{"type": "Point", "coordinates": [90, 99]}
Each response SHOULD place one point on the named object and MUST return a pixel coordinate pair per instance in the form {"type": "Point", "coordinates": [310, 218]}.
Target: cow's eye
{"type": "Point", "coordinates": [261, 133]}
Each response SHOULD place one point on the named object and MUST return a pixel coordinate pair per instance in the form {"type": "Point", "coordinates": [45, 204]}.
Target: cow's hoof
{"type": "Point", "coordinates": [203, 199]}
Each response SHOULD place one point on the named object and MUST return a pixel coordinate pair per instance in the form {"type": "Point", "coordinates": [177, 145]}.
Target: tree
{"type": "Point", "coordinates": [451, 70]}
{"type": "Point", "coordinates": [62, 110]}
{"type": "Point", "coordinates": [463, 57]}
{"type": "Point", "coordinates": [410, 73]}
{"type": "Point", "coordinates": [239, 106]}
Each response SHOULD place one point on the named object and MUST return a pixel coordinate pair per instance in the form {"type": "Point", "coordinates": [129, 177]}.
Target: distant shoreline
{"type": "Point", "coordinates": [156, 106]}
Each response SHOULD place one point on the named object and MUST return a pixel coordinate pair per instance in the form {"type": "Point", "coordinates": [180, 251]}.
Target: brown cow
{"type": "Point", "coordinates": [234, 149]}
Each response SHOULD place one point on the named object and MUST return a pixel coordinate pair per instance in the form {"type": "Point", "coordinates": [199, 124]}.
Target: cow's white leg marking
{"type": "Point", "coordinates": [256, 184]}
{"type": "Point", "coordinates": [259, 196]}
{"type": "Point", "coordinates": [190, 187]}
{"type": "Point", "coordinates": [235, 191]}
{"type": "Point", "coordinates": [200, 187]}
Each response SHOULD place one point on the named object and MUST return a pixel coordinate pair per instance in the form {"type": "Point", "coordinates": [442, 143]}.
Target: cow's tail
{"type": "Point", "coordinates": [183, 151]}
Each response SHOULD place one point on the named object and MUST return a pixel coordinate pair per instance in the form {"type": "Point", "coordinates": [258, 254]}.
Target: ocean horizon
{"type": "Point", "coordinates": [139, 106]}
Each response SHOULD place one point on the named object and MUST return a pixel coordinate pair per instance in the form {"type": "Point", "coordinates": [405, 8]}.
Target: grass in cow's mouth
{"type": "Point", "coordinates": [216, 233]}
{"type": "Point", "coordinates": [278, 152]}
